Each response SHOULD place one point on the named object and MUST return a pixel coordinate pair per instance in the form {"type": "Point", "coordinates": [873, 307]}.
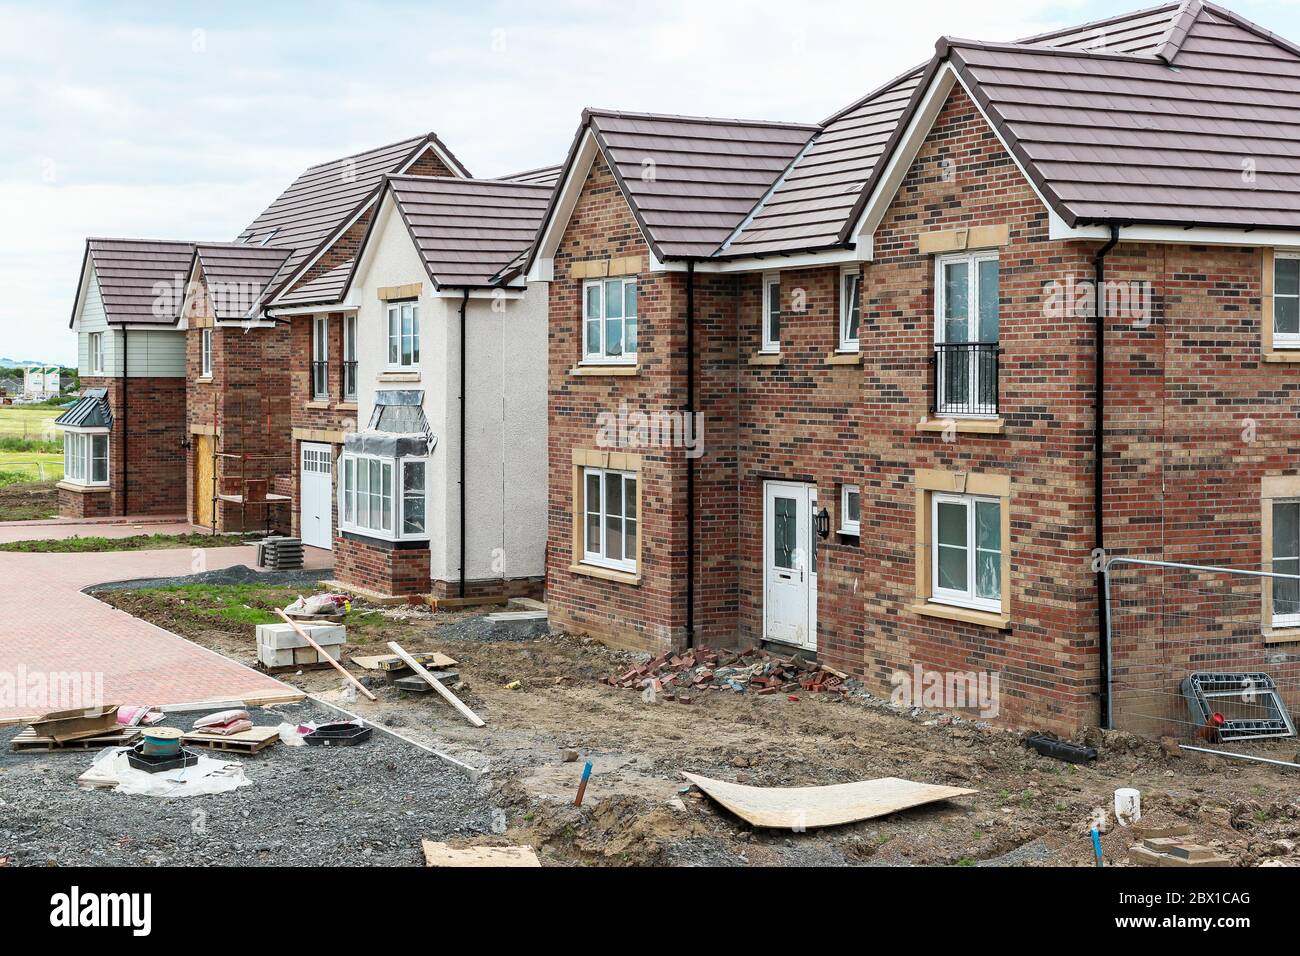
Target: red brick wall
{"type": "Point", "coordinates": [380, 567]}
{"type": "Point", "coordinates": [146, 458]}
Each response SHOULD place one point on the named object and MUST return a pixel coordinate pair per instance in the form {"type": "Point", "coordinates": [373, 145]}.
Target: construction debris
{"type": "Point", "coordinates": [430, 659]}
{"type": "Point", "coordinates": [250, 741]}
{"type": "Point", "coordinates": [113, 769]}
{"type": "Point", "coordinates": [28, 740]}
{"type": "Point", "coordinates": [433, 682]}
{"type": "Point", "coordinates": [64, 725]}
{"type": "Point", "coordinates": [803, 808]}
{"type": "Point", "coordinates": [322, 653]}
{"type": "Point", "coordinates": [444, 854]}
{"type": "Point", "coordinates": [704, 668]}
{"type": "Point", "coordinates": [279, 554]}
{"type": "Point", "coordinates": [1065, 750]}
{"type": "Point", "coordinates": [1175, 851]}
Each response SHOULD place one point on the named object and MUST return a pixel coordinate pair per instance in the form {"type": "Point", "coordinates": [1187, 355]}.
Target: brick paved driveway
{"type": "Point", "coordinates": [47, 626]}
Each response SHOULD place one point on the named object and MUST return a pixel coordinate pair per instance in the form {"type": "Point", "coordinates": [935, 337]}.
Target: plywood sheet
{"type": "Point", "coordinates": [798, 808]}
{"type": "Point", "coordinates": [434, 659]}
{"type": "Point", "coordinates": [443, 854]}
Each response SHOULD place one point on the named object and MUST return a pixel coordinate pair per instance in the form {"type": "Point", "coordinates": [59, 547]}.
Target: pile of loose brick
{"type": "Point", "coordinates": [678, 676]}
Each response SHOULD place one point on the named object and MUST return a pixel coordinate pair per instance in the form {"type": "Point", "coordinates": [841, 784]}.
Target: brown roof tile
{"type": "Point", "coordinates": [238, 276]}
{"type": "Point", "coordinates": [131, 272]}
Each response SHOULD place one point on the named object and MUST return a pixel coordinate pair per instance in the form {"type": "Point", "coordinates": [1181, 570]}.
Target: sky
{"type": "Point", "coordinates": [184, 121]}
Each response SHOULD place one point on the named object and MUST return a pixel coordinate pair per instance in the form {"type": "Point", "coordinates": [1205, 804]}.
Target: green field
{"type": "Point", "coordinates": [23, 463]}
{"type": "Point", "coordinates": [29, 421]}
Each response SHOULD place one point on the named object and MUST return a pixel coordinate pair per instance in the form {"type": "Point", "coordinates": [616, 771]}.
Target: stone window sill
{"type": "Point", "coordinates": [970, 426]}
{"type": "Point", "coordinates": [605, 370]}
{"type": "Point", "coordinates": [844, 358]}
{"type": "Point", "coordinates": [766, 358]}
{"type": "Point", "coordinates": [948, 612]}
{"type": "Point", "coordinates": [1280, 635]}
{"type": "Point", "coordinates": [347, 406]}
{"type": "Point", "coordinates": [399, 376]}
{"type": "Point", "coordinates": [1285, 355]}
{"type": "Point", "coordinates": [204, 380]}
{"type": "Point", "coordinates": [83, 489]}
{"type": "Point", "coordinates": [605, 574]}
{"type": "Point", "coordinates": [317, 404]}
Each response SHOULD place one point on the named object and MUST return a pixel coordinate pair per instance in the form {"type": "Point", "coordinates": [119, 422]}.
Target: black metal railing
{"type": "Point", "coordinates": [320, 380]}
{"type": "Point", "coordinates": [965, 378]}
{"type": "Point", "coordinates": [349, 381]}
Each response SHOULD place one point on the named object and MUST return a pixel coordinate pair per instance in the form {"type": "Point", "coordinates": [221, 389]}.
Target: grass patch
{"type": "Point", "coordinates": [13, 443]}
{"type": "Point", "coordinates": [253, 604]}
{"type": "Point", "coordinates": [30, 422]}
{"type": "Point", "coordinates": [23, 464]}
{"type": "Point", "coordinates": [136, 542]}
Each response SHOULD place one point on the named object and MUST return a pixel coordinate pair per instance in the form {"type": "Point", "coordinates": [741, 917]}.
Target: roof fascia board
{"type": "Point", "coordinates": [773, 263]}
{"type": "Point", "coordinates": [87, 273]}
{"type": "Point", "coordinates": [565, 198]}
{"type": "Point", "coordinates": [192, 285]}
{"type": "Point", "coordinates": [1058, 229]}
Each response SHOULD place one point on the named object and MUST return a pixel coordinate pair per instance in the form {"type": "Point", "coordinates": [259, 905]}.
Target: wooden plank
{"type": "Point", "coordinates": [443, 854]}
{"type": "Point", "coordinates": [325, 655]}
{"type": "Point", "coordinates": [798, 808]}
{"type": "Point", "coordinates": [436, 684]}
{"type": "Point", "coordinates": [28, 740]}
{"type": "Point", "coordinates": [389, 662]}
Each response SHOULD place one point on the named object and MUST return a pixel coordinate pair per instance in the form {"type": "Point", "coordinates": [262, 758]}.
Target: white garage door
{"type": "Point", "coordinates": [317, 482]}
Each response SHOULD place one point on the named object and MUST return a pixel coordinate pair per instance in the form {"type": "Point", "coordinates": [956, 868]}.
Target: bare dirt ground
{"type": "Point", "coordinates": [1029, 810]}
{"type": "Point", "coordinates": [28, 501]}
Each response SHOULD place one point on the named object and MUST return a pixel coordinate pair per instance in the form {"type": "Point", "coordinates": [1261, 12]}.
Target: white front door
{"type": "Point", "coordinates": [789, 563]}
{"type": "Point", "coordinates": [316, 483]}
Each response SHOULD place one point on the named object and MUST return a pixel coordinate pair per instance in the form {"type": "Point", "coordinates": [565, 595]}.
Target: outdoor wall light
{"type": "Point", "coordinates": [823, 520]}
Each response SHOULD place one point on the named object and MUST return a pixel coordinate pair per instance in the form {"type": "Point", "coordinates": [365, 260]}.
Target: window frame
{"type": "Point", "coordinates": [969, 598]}
{"type": "Point", "coordinates": [600, 558]}
{"type": "Point", "coordinates": [320, 353]}
{"type": "Point", "coordinates": [1283, 340]}
{"type": "Point", "coordinates": [850, 344]}
{"type": "Point", "coordinates": [770, 343]}
{"type": "Point", "coordinates": [350, 357]}
{"type": "Point", "coordinates": [972, 260]}
{"type": "Point", "coordinates": [1275, 620]}
{"type": "Point", "coordinates": [95, 347]}
{"type": "Point", "coordinates": [602, 356]}
{"type": "Point", "coordinates": [349, 490]}
{"type": "Point", "coordinates": [397, 305]}
{"type": "Point", "coordinates": [846, 526]}
{"type": "Point", "coordinates": [205, 353]}
{"type": "Point", "coordinates": [79, 462]}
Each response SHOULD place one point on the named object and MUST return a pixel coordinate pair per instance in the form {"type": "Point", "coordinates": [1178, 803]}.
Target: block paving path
{"type": "Point", "coordinates": [49, 627]}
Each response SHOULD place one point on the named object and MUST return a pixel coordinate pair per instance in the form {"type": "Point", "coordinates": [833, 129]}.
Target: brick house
{"type": "Point", "coordinates": [441, 484]}
{"type": "Point", "coordinates": [837, 386]}
{"type": "Point", "coordinates": [124, 440]}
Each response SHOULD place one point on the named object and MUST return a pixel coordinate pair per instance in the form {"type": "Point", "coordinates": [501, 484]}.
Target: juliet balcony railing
{"type": "Point", "coordinates": [965, 378]}
{"type": "Point", "coordinates": [320, 380]}
{"type": "Point", "coordinates": [349, 381]}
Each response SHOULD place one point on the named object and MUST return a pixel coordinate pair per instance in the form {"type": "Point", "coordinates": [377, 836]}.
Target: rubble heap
{"type": "Point", "coordinates": [676, 675]}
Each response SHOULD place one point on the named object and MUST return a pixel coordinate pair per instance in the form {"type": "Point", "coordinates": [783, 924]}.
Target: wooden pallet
{"type": "Point", "coordinates": [27, 740]}
{"type": "Point", "coordinates": [247, 742]}
{"type": "Point", "coordinates": [293, 668]}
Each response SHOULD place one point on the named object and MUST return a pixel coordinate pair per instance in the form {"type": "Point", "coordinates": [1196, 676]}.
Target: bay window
{"type": "Point", "coordinates": [383, 497]}
{"type": "Point", "coordinates": [85, 457]}
{"type": "Point", "coordinates": [609, 518]}
{"type": "Point", "coordinates": [609, 320]}
{"type": "Point", "coordinates": [403, 335]}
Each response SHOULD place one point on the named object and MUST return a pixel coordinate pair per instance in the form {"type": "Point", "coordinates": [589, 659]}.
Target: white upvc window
{"type": "Point", "coordinates": [320, 357]}
{"type": "Point", "coordinates": [850, 510]}
{"type": "Point", "coordinates": [85, 457]}
{"type": "Point", "coordinates": [350, 358]}
{"type": "Point", "coordinates": [609, 518]}
{"type": "Point", "coordinates": [967, 547]}
{"type": "Point", "coordinates": [850, 309]}
{"type": "Point", "coordinates": [1286, 560]}
{"type": "Point", "coordinates": [1286, 300]}
{"type": "Point", "coordinates": [95, 342]}
{"type": "Point", "coordinates": [205, 353]}
{"type": "Point", "coordinates": [966, 330]}
{"type": "Point", "coordinates": [403, 335]}
{"type": "Point", "coordinates": [771, 312]}
{"type": "Point", "coordinates": [384, 497]}
{"type": "Point", "coordinates": [609, 320]}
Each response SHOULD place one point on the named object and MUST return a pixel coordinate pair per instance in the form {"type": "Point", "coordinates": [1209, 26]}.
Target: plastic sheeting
{"type": "Point", "coordinates": [207, 776]}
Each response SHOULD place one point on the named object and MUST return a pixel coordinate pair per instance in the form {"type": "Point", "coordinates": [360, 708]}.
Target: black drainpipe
{"type": "Point", "coordinates": [690, 462]}
{"type": "Point", "coordinates": [464, 302]}
{"type": "Point", "coordinates": [126, 458]}
{"type": "Point", "coordinates": [1098, 450]}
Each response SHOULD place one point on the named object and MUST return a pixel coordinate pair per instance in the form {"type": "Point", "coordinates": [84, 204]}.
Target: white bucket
{"type": "Point", "coordinates": [1128, 806]}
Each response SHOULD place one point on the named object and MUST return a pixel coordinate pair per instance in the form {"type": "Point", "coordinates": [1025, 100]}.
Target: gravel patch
{"type": "Point", "coordinates": [238, 574]}
{"type": "Point", "coordinates": [368, 805]}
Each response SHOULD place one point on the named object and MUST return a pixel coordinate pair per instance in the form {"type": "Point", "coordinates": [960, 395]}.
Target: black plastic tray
{"type": "Point", "coordinates": [155, 763]}
{"type": "Point", "coordinates": [337, 735]}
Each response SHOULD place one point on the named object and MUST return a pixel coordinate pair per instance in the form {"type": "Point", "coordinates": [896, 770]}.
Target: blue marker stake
{"type": "Point", "coordinates": [1096, 843]}
{"type": "Point", "coordinates": [582, 787]}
